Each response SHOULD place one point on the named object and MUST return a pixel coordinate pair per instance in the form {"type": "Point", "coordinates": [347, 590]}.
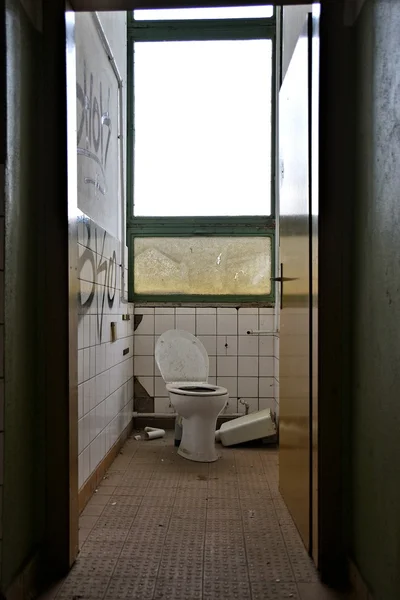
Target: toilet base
{"type": "Point", "coordinates": [198, 456]}
{"type": "Point", "coordinates": [198, 439]}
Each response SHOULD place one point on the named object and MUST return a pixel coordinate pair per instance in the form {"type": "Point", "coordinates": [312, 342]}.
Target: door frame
{"type": "Point", "coordinates": [335, 188]}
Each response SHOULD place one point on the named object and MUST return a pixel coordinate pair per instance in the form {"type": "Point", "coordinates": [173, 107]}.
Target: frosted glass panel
{"type": "Point", "coordinates": [230, 12]}
{"type": "Point", "coordinates": [203, 128]}
{"type": "Point", "coordinates": [202, 265]}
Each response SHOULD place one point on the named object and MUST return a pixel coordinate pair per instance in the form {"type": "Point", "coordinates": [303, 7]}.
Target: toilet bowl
{"type": "Point", "coordinates": [183, 364]}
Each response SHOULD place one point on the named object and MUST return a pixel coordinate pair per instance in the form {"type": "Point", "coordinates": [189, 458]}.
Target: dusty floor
{"type": "Point", "coordinates": [164, 528]}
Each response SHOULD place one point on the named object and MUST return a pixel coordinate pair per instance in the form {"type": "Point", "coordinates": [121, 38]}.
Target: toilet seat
{"type": "Point", "coordinates": [181, 357]}
{"type": "Point", "coordinates": [196, 389]}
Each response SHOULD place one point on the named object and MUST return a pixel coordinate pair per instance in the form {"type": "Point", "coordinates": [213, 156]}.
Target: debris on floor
{"type": "Point", "coordinates": [153, 433]}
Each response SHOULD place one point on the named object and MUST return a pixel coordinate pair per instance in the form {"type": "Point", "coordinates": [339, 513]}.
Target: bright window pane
{"type": "Point", "coordinates": [203, 128]}
{"type": "Point", "coordinates": [202, 265]}
{"type": "Point", "coordinates": [233, 12]}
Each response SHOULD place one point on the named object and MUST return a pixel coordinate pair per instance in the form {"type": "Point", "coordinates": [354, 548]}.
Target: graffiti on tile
{"type": "Point", "coordinates": [97, 273]}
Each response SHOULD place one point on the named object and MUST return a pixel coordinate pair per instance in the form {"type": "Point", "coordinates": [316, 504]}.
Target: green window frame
{"type": "Point", "coordinates": [247, 226]}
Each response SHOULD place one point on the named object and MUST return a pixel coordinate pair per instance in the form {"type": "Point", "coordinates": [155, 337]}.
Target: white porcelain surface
{"type": "Point", "coordinates": [183, 362]}
{"type": "Point", "coordinates": [199, 418]}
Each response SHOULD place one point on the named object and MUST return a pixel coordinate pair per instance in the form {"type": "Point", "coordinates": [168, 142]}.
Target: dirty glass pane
{"type": "Point", "coordinates": [202, 265]}
{"type": "Point", "coordinates": [202, 128]}
{"type": "Point", "coordinates": [226, 12]}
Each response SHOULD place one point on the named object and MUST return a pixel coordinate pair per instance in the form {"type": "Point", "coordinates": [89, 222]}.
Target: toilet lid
{"type": "Point", "coordinates": [181, 357]}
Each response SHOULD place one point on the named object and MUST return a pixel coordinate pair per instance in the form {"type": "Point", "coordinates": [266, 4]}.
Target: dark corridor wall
{"type": "Point", "coordinates": [375, 425]}
{"type": "Point", "coordinates": [23, 501]}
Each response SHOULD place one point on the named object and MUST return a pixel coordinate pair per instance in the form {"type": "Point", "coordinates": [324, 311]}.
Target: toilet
{"type": "Point", "coordinates": [183, 364]}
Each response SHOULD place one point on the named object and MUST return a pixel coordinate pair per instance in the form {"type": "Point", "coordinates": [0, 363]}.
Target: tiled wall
{"type": "Point", "coordinates": [244, 364]}
{"type": "Point", "coordinates": [105, 367]}
{"type": "Point", "coordinates": [105, 373]}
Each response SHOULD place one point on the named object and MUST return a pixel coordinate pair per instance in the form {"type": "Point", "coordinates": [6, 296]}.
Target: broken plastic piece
{"type": "Point", "coordinates": [137, 437]}
{"type": "Point", "coordinates": [254, 426]}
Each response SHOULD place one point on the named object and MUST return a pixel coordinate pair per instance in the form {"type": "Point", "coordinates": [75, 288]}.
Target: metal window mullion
{"type": "Point", "coordinates": [174, 228]}
{"type": "Point", "coordinates": [220, 29]}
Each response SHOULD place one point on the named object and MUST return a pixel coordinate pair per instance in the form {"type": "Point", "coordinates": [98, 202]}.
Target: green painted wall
{"type": "Point", "coordinates": [23, 500]}
{"type": "Point", "coordinates": [375, 424]}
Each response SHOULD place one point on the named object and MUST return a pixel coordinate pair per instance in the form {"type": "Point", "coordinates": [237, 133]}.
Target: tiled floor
{"type": "Point", "coordinates": [164, 528]}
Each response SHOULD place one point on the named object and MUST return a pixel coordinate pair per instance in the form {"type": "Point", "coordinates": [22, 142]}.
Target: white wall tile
{"type": "Point", "coordinates": [227, 311]}
{"type": "Point", "coordinates": [100, 358]}
{"type": "Point", "coordinates": [266, 366]}
{"type": "Point", "coordinates": [163, 323]}
{"type": "Point", "coordinates": [206, 324]}
{"type": "Point", "coordinates": [266, 345]}
{"type": "Point", "coordinates": [92, 351]}
{"type": "Point", "coordinates": [80, 333]}
{"type": "Point", "coordinates": [86, 331]}
{"type": "Point", "coordinates": [80, 471]}
{"type": "Point", "coordinates": [248, 345]}
{"type": "Point", "coordinates": [230, 383]}
{"type": "Point", "coordinates": [276, 367]}
{"type": "Point", "coordinates": [159, 387]}
{"type": "Point", "coordinates": [185, 311]}
{"type": "Point", "coordinates": [226, 366]}
{"type": "Point", "coordinates": [86, 364]}
{"type": "Point", "coordinates": [212, 368]}
{"type": "Point", "coordinates": [93, 330]}
{"type": "Point", "coordinates": [248, 366]}
{"type": "Point", "coordinates": [226, 324]}
{"type": "Point", "coordinates": [87, 392]}
{"type": "Point", "coordinates": [144, 345]}
{"type": "Point", "coordinates": [267, 387]}
{"type": "Point", "coordinates": [276, 346]}
{"type": "Point", "coordinates": [146, 326]}
{"type": "Point", "coordinates": [80, 401]}
{"type": "Point", "coordinates": [248, 387]}
{"type": "Point", "coordinates": [210, 343]}
{"type": "Point", "coordinates": [247, 323]}
{"type": "Point", "coordinates": [163, 310]}
{"type": "Point", "coordinates": [248, 311]}
{"type": "Point", "coordinates": [266, 403]}
{"type": "Point", "coordinates": [267, 322]}
{"type": "Point", "coordinates": [186, 323]}
{"type": "Point", "coordinates": [143, 365]}
{"type": "Point", "coordinates": [206, 311]}
{"type": "Point", "coordinates": [227, 345]}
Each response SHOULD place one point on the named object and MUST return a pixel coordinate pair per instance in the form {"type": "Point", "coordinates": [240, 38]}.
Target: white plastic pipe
{"type": "Point", "coordinates": [152, 429]}
{"type": "Point", "coordinates": [261, 332]}
{"type": "Point", "coordinates": [154, 434]}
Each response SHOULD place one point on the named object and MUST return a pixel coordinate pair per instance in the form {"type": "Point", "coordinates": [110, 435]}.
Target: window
{"type": "Point", "coordinates": [200, 214]}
